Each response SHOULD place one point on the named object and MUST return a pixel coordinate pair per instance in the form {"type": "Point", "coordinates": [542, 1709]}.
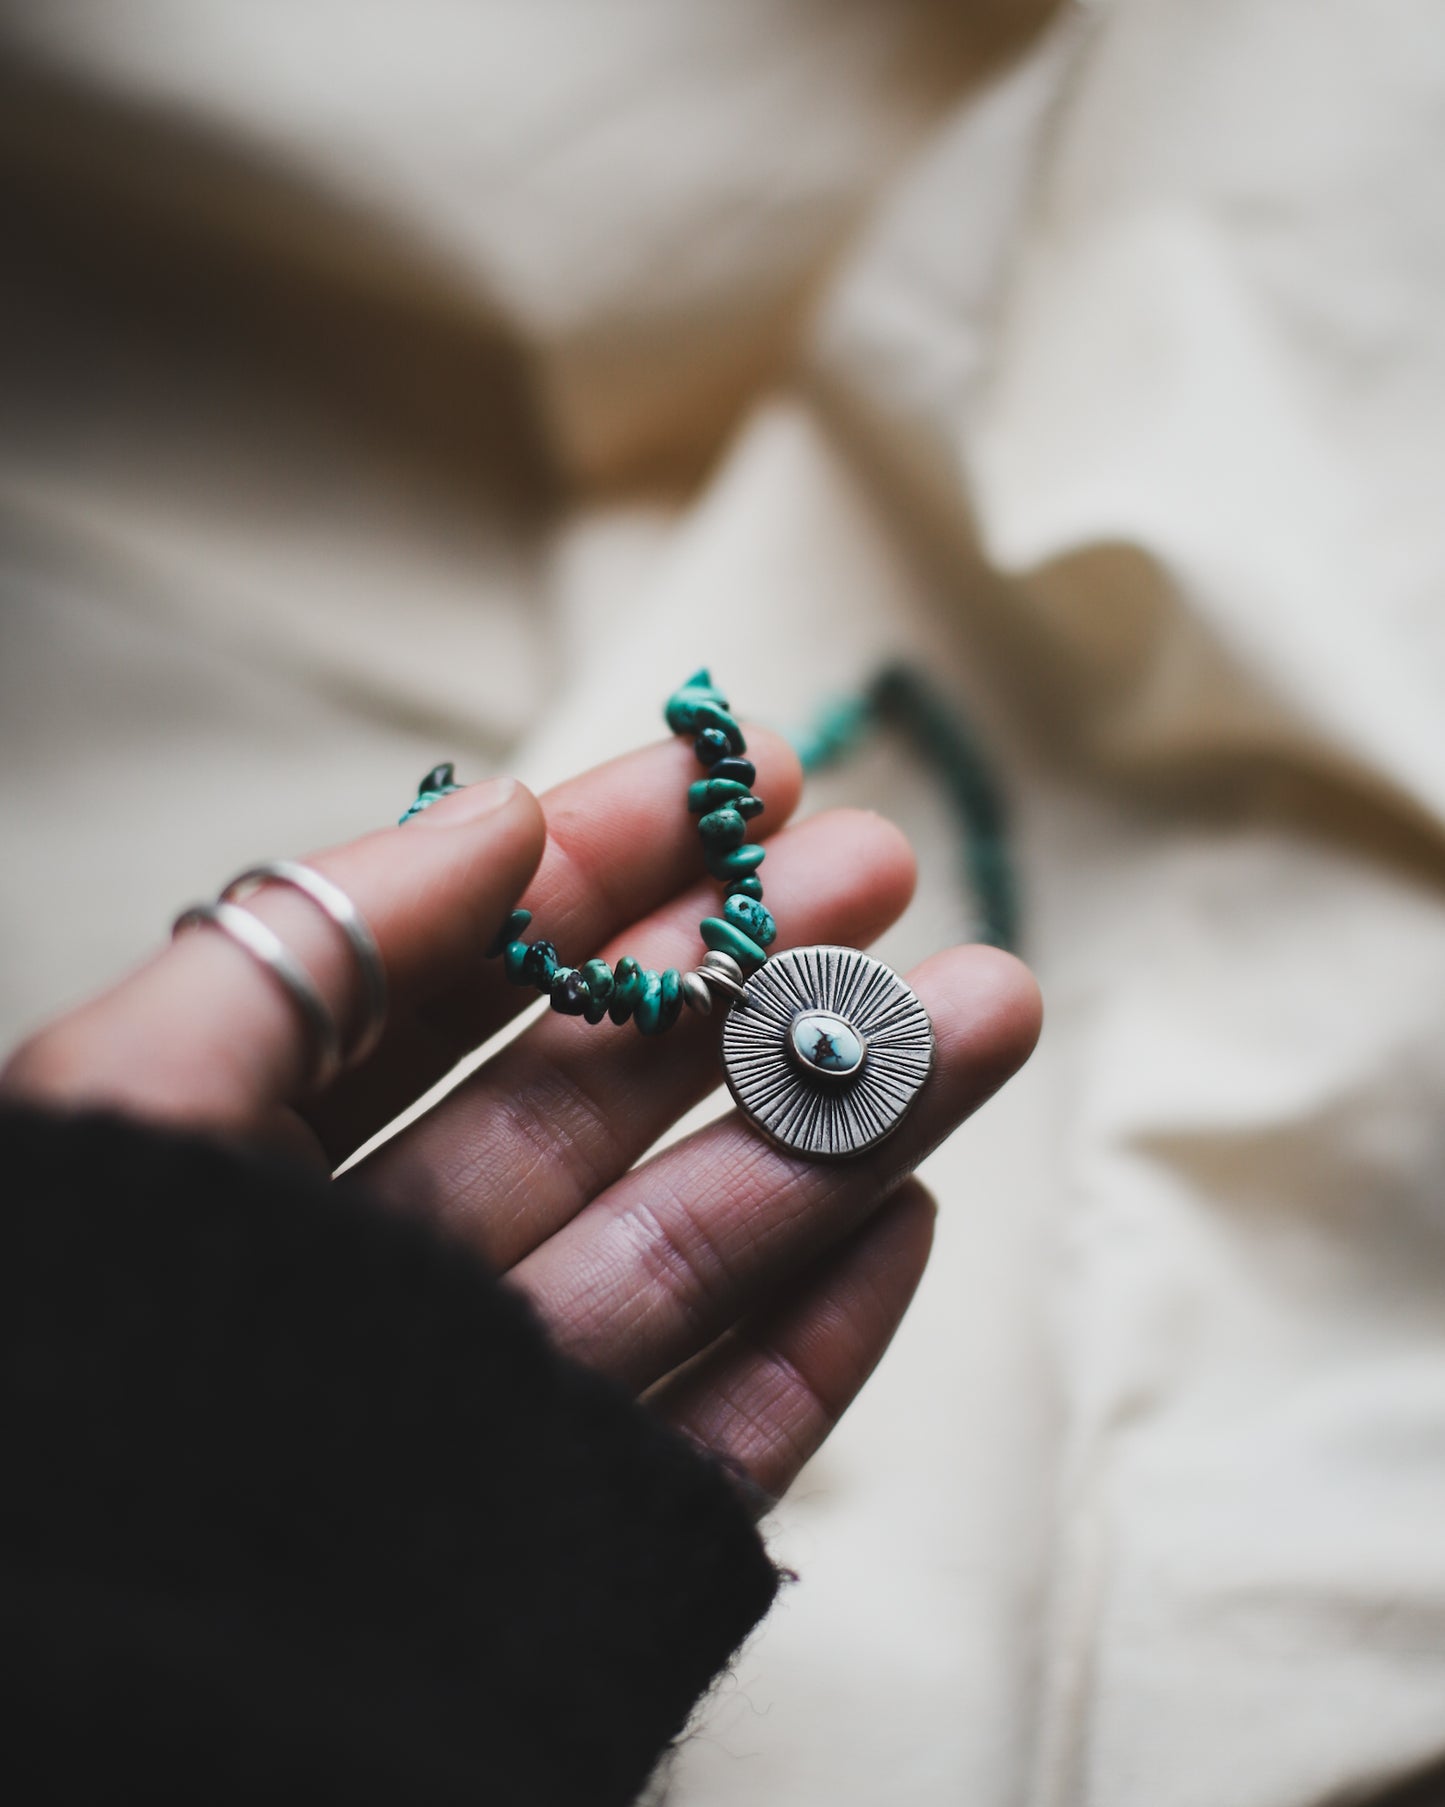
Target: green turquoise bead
{"type": "Point", "coordinates": [722, 829]}
{"type": "Point", "coordinates": [600, 981]}
{"type": "Point", "coordinates": [540, 964]}
{"type": "Point", "coordinates": [713, 793]}
{"type": "Point", "coordinates": [648, 1014]}
{"type": "Point", "coordinates": [569, 991]}
{"type": "Point", "coordinates": [514, 961]}
{"type": "Point", "coordinates": [626, 989]}
{"type": "Point", "coordinates": [511, 930]}
{"type": "Point", "coordinates": [701, 679]}
{"type": "Point", "coordinates": [735, 864]}
{"type": "Point", "coordinates": [689, 711]}
{"type": "Point", "coordinates": [600, 986]}
{"type": "Point", "coordinates": [671, 1006]}
{"type": "Point", "coordinates": [751, 886]}
{"type": "Point", "coordinates": [746, 914]}
{"type": "Point", "coordinates": [724, 938]}
{"type": "Point", "coordinates": [692, 714]}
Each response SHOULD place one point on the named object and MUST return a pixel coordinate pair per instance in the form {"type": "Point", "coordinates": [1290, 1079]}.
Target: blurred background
{"type": "Point", "coordinates": [384, 383]}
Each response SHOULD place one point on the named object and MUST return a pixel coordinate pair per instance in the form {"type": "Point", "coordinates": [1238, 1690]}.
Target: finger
{"type": "Point", "coordinates": [620, 843]}
{"type": "Point", "coordinates": [682, 1247]}
{"type": "Point", "coordinates": [594, 1098]}
{"type": "Point", "coordinates": [204, 1033]}
{"type": "Point", "coordinates": [766, 1396]}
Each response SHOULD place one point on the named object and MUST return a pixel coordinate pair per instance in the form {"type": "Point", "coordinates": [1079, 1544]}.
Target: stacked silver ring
{"type": "Point", "coordinates": [267, 948]}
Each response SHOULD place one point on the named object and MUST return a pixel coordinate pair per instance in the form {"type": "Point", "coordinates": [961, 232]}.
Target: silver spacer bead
{"type": "Point", "coordinates": [695, 994]}
{"type": "Point", "coordinates": [724, 982]}
{"type": "Point", "coordinates": [715, 961]}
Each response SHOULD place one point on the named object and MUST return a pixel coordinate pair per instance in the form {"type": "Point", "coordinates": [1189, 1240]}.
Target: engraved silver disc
{"type": "Point", "coordinates": [829, 1051]}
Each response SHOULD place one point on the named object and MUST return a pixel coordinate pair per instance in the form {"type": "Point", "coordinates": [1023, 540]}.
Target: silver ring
{"type": "Point", "coordinates": [344, 913]}
{"type": "Point", "coordinates": [267, 947]}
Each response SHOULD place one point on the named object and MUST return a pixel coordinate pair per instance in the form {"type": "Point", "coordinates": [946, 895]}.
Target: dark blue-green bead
{"type": "Point", "coordinates": [600, 986]}
{"type": "Point", "coordinates": [671, 1008]}
{"type": "Point", "coordinates": [540, 964]}
{"type": "Point", "coordinates": [748, 915]}
{"type": "Point", "coordinates": [439, 782]}
{"type": "Point", "coordinates": [626, 989]}
{"type": "Point", "coordinates": [711, 746]}
{"type": "Point", "coordinates": [737, 863]}
{"type": "Point", "coordinates": [727, 938]}
{"type": "Point", "coordinates": [569, 991]}
{"type": "Point", "coordinates": [713, 793]}
{"type": "Point", "coordinates": [743, 770]}
{"type": "Point", "coordinates": [748, 807]}
{"type": "Point", "coordinates": [722, 829]}
{"type": "Point", "coordinates": [648, 1015]}
{"type": "Point", "coordinates": [514, 960]}
{"type": "Point", "coordinates": [511, 930]}
{"type": "Point", "coordinates": [751, 886]}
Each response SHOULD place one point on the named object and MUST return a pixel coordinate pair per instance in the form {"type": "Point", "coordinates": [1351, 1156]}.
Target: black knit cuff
{"type": "Point", "coordinates": [302, 1504]}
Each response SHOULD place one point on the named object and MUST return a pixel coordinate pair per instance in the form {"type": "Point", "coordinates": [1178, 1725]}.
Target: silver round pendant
{"type": "Point", "coordinates": [829, 1051]}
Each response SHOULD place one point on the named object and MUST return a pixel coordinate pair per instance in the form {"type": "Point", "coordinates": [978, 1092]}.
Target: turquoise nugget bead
{"type": "Point", "coordinates": [699, 714]}
{"type": "Point", "coordinates": [713, 793]}
{"type": "Point", "coordinates": [600, 986]}
{"type": "Point", "coordinates": [540, 964]}
{"type": "Point", "coordinates": [711, 746]}
{"type": "Point", "coordinates": [729, 867]}
{"type": "Point", "coordinates": [751, 886]}
{"type": "Point", "coordinates": [742, 769]}
{"type": "Point", "coordinates": [745, 914]}
{"type": "Point", "coordinates": [701, 679]}
{"type": "Point", "coordinates": [748, 807]}
{"type": "Point", "coordinates": [671, 1008]}
{"type": "Point", "coordinates": [514, 958]}
{"type": "Point", "coordinates": [724, 938]}
{"type": "Point", "coordinates": [511, 930]}
{"type": "Point", "coordinates": [439, 782]}
{"type": "Point", "coordinates": [722, 829]}
{"type": "Point", "coordinates": [600, 981]}
{"type": "Point", "coordinates": [569, 991]}
{"type": "Point", "coordinates": [649, 1004]}
{"type": "Point", "coordinates": [688, 711]}
{"type": "Point", "coordinates": [626, 990]}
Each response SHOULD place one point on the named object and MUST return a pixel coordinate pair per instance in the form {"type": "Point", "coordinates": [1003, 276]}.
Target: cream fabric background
{"type": "Point", "coordinates": [382, 382]}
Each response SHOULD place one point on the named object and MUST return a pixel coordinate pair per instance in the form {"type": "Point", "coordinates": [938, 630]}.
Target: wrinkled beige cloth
{"type": "Point", "coordinates": [386, 382]}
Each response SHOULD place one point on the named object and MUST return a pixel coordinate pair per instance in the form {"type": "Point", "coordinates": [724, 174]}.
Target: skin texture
{"type": "Point", "coordinates": [746, 1294]}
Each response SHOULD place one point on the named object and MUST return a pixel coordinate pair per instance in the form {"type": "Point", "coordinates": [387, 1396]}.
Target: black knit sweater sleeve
{"type": "Point", "coordinates": [298, 1503]}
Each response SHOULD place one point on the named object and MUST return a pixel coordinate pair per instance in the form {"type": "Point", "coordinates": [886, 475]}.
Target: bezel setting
{"type": "Point", "coordinates": [805, 1109]}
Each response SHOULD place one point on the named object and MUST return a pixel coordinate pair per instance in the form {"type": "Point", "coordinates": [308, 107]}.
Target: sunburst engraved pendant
{"type": "Point", "coordinates": [829, 1051]}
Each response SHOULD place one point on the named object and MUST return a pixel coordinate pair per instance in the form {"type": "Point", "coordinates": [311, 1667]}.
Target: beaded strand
{"type": "Point", "coordinates": [737, 941]}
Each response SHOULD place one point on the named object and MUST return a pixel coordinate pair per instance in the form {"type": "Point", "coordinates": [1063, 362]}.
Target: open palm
{"type": "Point", "coordinates": [746, 1292]}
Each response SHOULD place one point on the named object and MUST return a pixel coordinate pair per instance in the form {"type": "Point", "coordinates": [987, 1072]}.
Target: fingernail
{"type": "Point", "coordinates": [472, 803]}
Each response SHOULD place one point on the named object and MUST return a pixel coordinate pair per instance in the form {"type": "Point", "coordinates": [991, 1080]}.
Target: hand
{"type": "Point", "coordinates": [784, 1279]}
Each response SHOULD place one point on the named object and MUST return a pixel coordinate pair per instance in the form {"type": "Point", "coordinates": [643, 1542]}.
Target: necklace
{"type": "Point", "coordinates": [823, 1048]}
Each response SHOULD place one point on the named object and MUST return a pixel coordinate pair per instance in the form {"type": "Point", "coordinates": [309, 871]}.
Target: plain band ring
{"type": "Point", "coordinates": [267, 947]}
{"type": "Point", "coordinates": [343, 912]}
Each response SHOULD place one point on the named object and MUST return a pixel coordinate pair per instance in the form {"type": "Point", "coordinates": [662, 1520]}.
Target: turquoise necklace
{"type": "Point", "coordinates": [823, 1048]}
